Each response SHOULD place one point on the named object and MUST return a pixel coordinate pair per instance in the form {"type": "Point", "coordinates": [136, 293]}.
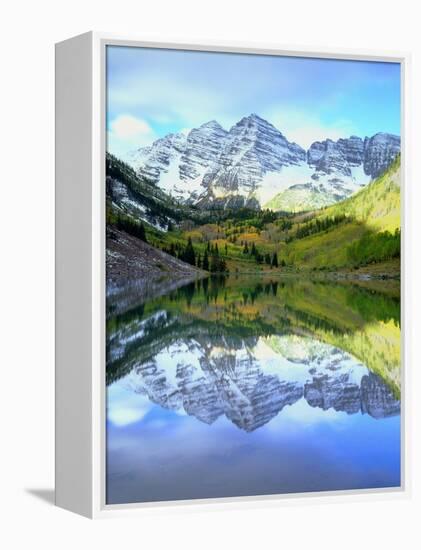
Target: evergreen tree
{"type": "Point", "coordinates": [131, 227]}
{"type": "Point", "coordinates": [267, 259]}
{"type": "Point", "coordinates": [218, 265]}
{"type": "Point", "coordinates": [189, 255]}
{"type": "Point", "coordinates": [199, 261]}
{"type": "Point", "coordinates": [214, 265]}
{"type": "Point", "coordinates": [223, 266]}
{"type": "Point", "coordinates": [275, 260]}
{"type": "Point", "coordinates": [246, 248]}
{"type": "Point", "coordinates": [205, 264]}
{"type": "Point", "coordinates": [142, 233]}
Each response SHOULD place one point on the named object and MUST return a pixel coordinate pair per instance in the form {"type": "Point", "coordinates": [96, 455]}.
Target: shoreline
{"type": "Point", "coordinates": [137, 271]}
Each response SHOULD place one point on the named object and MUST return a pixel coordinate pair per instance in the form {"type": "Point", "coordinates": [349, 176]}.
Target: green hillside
{"type": "Point", "coordinates": [362, 232]}
{"type": "Point", "coordinates": [298, 199]}
{"type": "Point", "coordinates": [377, 205]}
{"type": "Point", "coordinates": [368, 229]}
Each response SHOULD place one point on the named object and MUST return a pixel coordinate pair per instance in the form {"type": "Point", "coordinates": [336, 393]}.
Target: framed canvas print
{"type": "Point", "coordinates": [230, 226]}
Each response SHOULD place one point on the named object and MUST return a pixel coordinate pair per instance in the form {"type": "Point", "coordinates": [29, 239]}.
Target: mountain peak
{"type": "Point", "coordinates": [254, 119]}
{"type": "Point", "coordinates": [255, 125]}
{"type": "Point", "coordinates": [384, 136]}
{"type": "Point", "coordinates": [254, 116]}
{"type": "Point", "coordinates": [211, 124]}
{"type": "Point", "coordinates": [176, 137]}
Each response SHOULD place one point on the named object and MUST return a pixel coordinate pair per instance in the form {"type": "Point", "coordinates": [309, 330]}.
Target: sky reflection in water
{"type": "Point", "coordinates": [253, 393]}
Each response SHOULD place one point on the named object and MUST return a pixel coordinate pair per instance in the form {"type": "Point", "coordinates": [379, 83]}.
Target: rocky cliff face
{"type": "Point", "coordinates": [352, 150]}
{"type": "Point", "coordinates": [374, 154]}
{"type": "Point", "coordinates": [337, 157]}
{"type": "Point", "coordinates": [379, 152]}
{"type": "Point", "coordinates": [203, 145]}
{"type": "Point", "coordinates": [253, 148]}
{"type": "Point", "coordinates": [253, 164]}
{"type": "Point", "coordinates": [152, 161]}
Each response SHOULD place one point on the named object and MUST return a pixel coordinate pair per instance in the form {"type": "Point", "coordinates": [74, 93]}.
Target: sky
{"type": "Point", "coordinates": [153, 92]}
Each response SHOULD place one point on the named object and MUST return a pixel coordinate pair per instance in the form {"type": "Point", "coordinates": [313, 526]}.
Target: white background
{"type": "Point", "coordinates": [28, 32]}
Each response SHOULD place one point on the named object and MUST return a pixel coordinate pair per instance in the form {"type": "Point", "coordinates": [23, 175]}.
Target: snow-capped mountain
{"type": "Point", "coordinates": [253, 150]}
{"type": "Point", "coordinates": [253, 164]}
{"type": "Point", "coordinates": [339, 169]}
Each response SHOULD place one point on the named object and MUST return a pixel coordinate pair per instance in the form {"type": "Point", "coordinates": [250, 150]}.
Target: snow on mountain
{"type": "Point", "coordinates": [335, 170]}
{"type": "Point", "coordinates": [253, 164]}
{"type": "Point", "coordinates": [153, 160]}
{"type": "Point", "coordinates": [203, 146]}
{"type": "Point", "coordinates": [252, 149]}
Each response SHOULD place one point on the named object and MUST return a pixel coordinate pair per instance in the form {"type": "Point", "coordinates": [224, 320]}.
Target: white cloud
{"type": "Point", "coordinates": [124, 406]}
{"type": "Point", "coordinates": [130, 127]}
{"type": "Point", "coordinates": [128, 133]}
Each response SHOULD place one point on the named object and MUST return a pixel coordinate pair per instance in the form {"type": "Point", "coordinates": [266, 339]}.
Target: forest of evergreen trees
{"type": "Point", "coordinates": [252, 251]}
{"type": "Point", "coordinates": [317, 226]}
{"type": "Point", "coordinates": [211, 261]}
{"type": "Point", "coordinates": [375, 247]}
{"type": "Point", "coordinates": [124, 223]}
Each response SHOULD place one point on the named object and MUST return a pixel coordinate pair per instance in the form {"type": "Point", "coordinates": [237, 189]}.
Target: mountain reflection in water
{"type": "Point", "coordinates": [242, 352]}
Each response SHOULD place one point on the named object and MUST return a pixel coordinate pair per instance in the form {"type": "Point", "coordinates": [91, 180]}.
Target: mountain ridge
{"type": "Point", "coordinates": [254, 165]}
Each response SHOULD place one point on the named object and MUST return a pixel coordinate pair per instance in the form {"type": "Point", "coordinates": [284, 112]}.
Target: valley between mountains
{"type": "Point", "coordinates": [249, 201]}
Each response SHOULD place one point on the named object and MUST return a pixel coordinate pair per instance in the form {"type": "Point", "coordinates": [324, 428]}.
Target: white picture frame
{"type": "Point", "coordinates": [80, 275]}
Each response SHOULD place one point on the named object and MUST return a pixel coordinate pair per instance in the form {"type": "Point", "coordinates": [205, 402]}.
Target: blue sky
{"type": "Point", "coordinates": [152, 92]}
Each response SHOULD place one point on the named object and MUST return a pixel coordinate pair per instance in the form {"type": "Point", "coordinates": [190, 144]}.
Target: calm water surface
{"type": "Point", "coordinates": [248, 386]}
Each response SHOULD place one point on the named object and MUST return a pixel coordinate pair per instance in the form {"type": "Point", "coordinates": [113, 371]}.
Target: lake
{"type": "Point", "coordinates": [253, 386]}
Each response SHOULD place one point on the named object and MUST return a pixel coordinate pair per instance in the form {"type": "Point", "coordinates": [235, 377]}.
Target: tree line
{"type": "Point", "coordinates": [317, 226]}
{"type": "Point", "coordinates": [375, 247]}
{"type": "Point", "coordinates": [210, 261]}
{"type": "Point", "coordinates": [271, 260]}
{"type": "Point", "coordinates": [124, 223]}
